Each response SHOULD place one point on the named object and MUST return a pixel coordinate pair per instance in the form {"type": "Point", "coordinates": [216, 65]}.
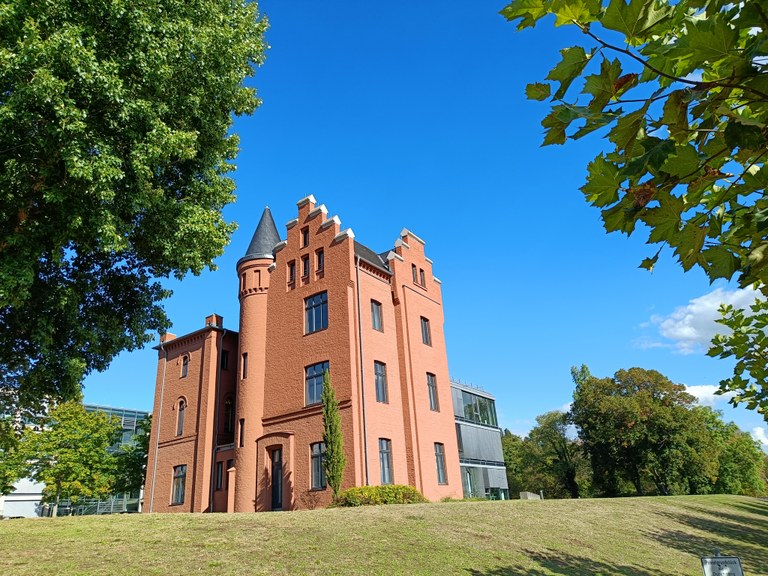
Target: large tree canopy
{"type": "Point", "coordinates": [681, 91]}
{"type": "Point", "coordinates": [639, 429]}
{"type": "Point", "coordinates": [114, 154]}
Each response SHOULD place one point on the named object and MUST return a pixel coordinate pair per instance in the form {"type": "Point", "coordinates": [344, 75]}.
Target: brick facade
{"type": "Point", "coordinates": [250, 416]}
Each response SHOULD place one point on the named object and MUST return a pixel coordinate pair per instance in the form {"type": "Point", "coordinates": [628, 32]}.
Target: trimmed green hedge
{"type": "Point", "coordinates": [374, 495]}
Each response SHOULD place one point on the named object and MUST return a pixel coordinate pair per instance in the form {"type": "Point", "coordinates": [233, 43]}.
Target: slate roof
{"type": "Point", "coordinates": [376, 260]}
{"type": "Point", "coordinates": [264, 239]}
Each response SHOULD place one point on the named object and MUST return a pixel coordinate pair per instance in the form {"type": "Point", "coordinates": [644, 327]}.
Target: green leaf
{"type": "Point", "coordinates": [690, 242]}
{"type": "Point", "coordinates": [537, 91]}
{"type": "Point", "coordinates": [665, 219]}
{"type": "Point", "coordinates": [710, 40]}
{"type": "Point", "coordinates": [676, 116]}
{"type": "Point", "coordinates": [721, 262]}
{"type": "Point", "coordinates": [627, 130]}
{"type": "Point", "coordinates": [557, 122]}
{"type": "Point", "coordinates": [573, 61]}
{"type": "Point", "coordinates": [603, 182]}
{"type": "Point", "coordinates": [635, 19]}
{"type": "Point", "coordinates": [570, 11]}
{"type": "Point", "coordinates": [745, 137]}
{"type": "Point", "coordinates": [601, 86]}
{"type": "Point", "coordinates": [528, 11]}
{"type": "Point", "coordinates": [595, 121]}
{"type": "Point", "coordinates": [621, 217]}
{"type": "Point", "coordinates": [649, 263]}
{"type": "Point", "coordinates": [684, 163]}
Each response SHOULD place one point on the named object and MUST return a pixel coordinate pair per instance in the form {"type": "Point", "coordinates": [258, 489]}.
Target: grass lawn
{"type": "Point", "coordinates": [624, 536]}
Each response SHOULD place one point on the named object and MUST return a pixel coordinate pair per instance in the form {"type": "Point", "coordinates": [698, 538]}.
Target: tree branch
{"type": "Point", "coordinates": [655, 70]}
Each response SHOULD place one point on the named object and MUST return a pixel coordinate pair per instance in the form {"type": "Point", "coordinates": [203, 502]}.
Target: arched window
{"type": "Point", "coordinates": [184, 366]}
{"type": "Point", "coordinates": [229, 416]}
{"type": "Point", "coordinates": [180, 417]}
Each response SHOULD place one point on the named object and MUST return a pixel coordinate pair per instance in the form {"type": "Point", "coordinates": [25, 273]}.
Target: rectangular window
{"type": "Point", "coordinates": [421, 277]}
{"type": "Point", "coordinates": [305, 266]}
{"type": "Point", "coordinates": [241, 432]}
{"type": "Point", "coordinates": [291, 271]}
{"type": "Point", "coordinates": [245, 365]}
{"type": "Point", "coordinates": [225, 359]}
{"type": "Point", "coordinates": [460, 440]}
{"type": "Point", "coordinates": [179, 479]}
{"type": "Point", "coordinates": [414, 271]}
{"type": "Point", "coordinates": [380, 374]}
{"type": "Point", "coordinates": [426, 333]}
{"type": "Point", "coordinates": [318, 465]}
{"type": "Point", "coordinates": [320, 260]}
{"type": "Point", "coordinates": [376, 316]}
{"type": "Point", "coordinates": [219, 480]}
{"type": "Point", "coordinates": [442, 477]}
{"type": "Point", "coordinates": [432, 389]}
{"type": "Point", "coordinates": [230, 463]}
{"type": "Point", "coordinates": [313, 376]}
{"type": "Point", "coordinates": [304, 237]}
{"type": "Point", "coordinates": [385, 460]}
{"type": "Point", "coordinates": [316, 313]}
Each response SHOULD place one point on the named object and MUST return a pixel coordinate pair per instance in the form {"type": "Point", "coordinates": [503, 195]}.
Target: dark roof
{"type": "Point", "coordinates": [264, 239]}
{"type": "Point", "coordinates": [375, 260]}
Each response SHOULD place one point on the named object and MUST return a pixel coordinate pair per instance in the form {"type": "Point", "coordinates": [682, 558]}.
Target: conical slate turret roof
{"type": "Point", "coordinates": [264, 239]}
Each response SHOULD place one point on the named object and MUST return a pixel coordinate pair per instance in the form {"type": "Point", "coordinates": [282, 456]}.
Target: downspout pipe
{"type": "Point", "coordinates": [362, 368]}
{"type": "Point", "coordinates": [216, 423]}
{"type": "Point", "coordinates": [159, 419]}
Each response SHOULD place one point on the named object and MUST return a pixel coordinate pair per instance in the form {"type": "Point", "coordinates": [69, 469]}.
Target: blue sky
{"type": "Point", "coordinates": [413, 114]}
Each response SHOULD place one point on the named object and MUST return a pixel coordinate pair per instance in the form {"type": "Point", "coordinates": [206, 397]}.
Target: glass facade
{"type": "Point", "coordinates": [483, 473]}
{"type": "Point", "coordinates": [473, 407]}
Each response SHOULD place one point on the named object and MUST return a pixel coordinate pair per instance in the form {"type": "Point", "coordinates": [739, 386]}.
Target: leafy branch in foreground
{"type": "Point", "coordinates": [681, 93]}
{"type": "Point", "coordinates": [746, 341]}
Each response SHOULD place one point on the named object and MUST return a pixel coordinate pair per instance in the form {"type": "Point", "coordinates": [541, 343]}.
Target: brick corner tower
{"type": "Point", "coordinates": [253, 271]}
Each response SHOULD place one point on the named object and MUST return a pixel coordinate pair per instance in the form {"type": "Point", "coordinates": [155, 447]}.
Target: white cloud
{"type": "Point", "coordinates": [759, 434]}
{"type": "Point", "coordinates": [691, 327]}
{"type": "Point", "coordinates": [705, 394]}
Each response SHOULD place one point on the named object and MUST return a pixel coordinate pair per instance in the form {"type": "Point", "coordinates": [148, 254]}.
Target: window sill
{"type": "Point", "coordinates": [316, 331]}
{"type": "Point", "coordinates": [318, 489]}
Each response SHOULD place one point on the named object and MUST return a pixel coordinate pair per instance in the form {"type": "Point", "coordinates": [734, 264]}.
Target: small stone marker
{"type": "Point", "coordinates": [721, 565]}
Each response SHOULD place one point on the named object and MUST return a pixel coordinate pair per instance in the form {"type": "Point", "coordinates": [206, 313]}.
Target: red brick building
{"type": "Point", "coordinates": [237, 416]}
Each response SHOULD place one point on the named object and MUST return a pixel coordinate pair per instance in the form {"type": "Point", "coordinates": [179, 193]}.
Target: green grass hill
{"type": "Point", "coordinates": [624, 536]}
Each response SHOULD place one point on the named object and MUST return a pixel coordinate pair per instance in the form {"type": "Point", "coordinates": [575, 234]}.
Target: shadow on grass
{"type": "Point", "coordinates": [755, 507]}
{"type": "Point", "coordinates": [733, 533]}
{"type": "Point", "coordinates": [561, 563]}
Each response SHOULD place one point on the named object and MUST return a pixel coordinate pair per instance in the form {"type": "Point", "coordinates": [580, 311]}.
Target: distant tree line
{"type": "Point", "coordinates": [636, 433]}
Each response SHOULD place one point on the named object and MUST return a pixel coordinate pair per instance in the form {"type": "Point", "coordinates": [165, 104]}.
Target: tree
{"type": "Point", "coordinates": [512, 448]}
{"type": "Point", "coordinates": [131, 460]}
{"type": "Point", "coordinates": [333, 437]}
{"type": "Point", "coordinates": [748, 343]}
{"type": "Point", "coordinates": [69, 455]}
{"type": "Point", "coordinates": [556, 453]}
{"type": "Point", "coordinates": [10, 471]}
{"type": "Point", "coordinates": [115, 149]}
{"type": "Point", "coordinates": [631, 426]}
{"type": "Point", "coordinates": [545, 460]}
{"type": "Point", "coordinates": [680, 89]}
